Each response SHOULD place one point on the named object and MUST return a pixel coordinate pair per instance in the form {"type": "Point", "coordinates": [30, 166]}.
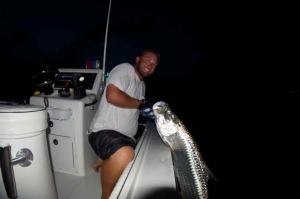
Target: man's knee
{"type": "Point", "coordinates": [125, 153]}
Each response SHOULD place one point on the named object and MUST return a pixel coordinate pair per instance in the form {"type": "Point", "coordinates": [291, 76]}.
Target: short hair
{"type": "Point", "coordinates": [151, 51]}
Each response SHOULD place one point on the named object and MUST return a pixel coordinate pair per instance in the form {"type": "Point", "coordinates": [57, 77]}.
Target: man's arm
{"type": "Point", "coordinates": [119, 98]}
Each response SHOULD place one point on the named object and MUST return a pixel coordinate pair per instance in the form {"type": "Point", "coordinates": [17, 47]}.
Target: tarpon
{"type": "Point", "coordinates": [190, 170]}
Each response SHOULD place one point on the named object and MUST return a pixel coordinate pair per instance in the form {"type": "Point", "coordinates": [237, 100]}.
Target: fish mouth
{"type": "Point", "coordinates": [159, 106]}
{"type": "Point", "coordinates": [159, 109]}
{"type": "Point", "coordinates": [163, 119]}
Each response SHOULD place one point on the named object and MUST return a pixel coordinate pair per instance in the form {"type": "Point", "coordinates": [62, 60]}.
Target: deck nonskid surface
{"type": "Point", "coordinates": [78, 187]}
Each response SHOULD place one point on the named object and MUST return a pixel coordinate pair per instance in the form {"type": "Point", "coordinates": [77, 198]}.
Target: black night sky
{"type": "Point", "coordinates": [65, 34]}
{"type": "Point", "coordinates": [203, 69]}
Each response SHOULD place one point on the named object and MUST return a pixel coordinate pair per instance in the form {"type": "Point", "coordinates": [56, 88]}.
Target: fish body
{"type": "Point", "coordinates": [189, 168]}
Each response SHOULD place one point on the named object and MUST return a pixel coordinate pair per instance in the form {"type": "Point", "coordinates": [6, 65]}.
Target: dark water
{"type": "Point", "coordinates": [238, 128]}
{"type": "Point", "coordinates": [202, 113]}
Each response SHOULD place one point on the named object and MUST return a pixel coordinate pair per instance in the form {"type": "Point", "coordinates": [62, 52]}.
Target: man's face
{"type": "Point", "coordinates": [146, 64]}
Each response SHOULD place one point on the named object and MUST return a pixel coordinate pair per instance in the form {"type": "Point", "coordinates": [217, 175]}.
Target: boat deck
{"type": "Point", "coordinates": [150, 175]}
{"type": "Point", "coordinates": [77, 187]}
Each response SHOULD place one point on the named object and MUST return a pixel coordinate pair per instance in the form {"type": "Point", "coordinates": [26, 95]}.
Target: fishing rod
{"type": "Point", "coordinates": [104, 52]}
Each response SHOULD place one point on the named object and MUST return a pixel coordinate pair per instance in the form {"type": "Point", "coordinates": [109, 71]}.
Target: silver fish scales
{"type": "Point", "coordinates": [189, 167]}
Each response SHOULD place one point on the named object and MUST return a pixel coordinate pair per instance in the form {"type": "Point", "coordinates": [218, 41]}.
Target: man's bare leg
{"type": "Point", "coordinates": [113, 167]}
{"type": "Point", "coordinates": [97, 165]}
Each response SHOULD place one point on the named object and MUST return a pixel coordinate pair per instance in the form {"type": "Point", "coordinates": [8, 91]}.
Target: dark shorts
{"type": "Point", "coordinates": [106, 142]}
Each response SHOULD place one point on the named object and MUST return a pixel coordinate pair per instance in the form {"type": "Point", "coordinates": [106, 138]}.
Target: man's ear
{"type": "Point", "coordinates": [137, 59]}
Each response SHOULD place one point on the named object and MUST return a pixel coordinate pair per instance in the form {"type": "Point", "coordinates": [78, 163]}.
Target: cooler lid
{"type": "Point", "coordinates": [18, 120]}
{"type": "Point", "coordinates": [20, 108]}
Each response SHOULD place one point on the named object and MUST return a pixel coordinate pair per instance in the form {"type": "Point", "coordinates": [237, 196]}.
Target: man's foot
{"type": "Point", "coordinates": [97, 165]}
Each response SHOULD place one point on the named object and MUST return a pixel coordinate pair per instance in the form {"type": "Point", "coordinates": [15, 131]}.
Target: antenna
{"type": "Point", "coordinates": [104, 53]}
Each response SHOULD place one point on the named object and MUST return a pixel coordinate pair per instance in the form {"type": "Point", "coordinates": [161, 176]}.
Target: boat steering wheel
{"type": "Point", "coordinates": [46, 78]}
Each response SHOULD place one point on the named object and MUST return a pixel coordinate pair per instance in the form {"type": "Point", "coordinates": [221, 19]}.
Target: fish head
{"type": "Point", "coordinates": [165, 120]}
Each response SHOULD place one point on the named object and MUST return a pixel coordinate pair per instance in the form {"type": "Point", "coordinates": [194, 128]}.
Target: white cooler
{"type": "Point", "coordinates": [23, 133]}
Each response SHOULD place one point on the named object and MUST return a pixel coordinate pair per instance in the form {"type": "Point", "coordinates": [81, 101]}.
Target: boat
{"type": "Point", "coordinates": [44, 147]}
{"type": "Point", "coordinates": [68, 157]}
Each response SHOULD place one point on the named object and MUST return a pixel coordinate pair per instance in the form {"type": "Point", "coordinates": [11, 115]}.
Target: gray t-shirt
{"type": "Point", "coordinates": [123, 120]}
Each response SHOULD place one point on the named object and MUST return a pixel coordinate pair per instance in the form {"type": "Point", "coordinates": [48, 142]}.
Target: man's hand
{"type": "Point", "coordinates": [146, 109]}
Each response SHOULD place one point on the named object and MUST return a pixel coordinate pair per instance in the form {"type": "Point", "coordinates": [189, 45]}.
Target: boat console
{"type": "Point", "coordinates": [71, 107]}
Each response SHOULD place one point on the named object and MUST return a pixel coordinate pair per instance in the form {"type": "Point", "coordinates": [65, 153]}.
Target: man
{"type": "Point", "coordinates": [116, 120]}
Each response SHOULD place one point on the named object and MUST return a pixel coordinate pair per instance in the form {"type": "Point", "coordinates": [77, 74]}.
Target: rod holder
{"type": "Point", "coordinates": [24, 158]}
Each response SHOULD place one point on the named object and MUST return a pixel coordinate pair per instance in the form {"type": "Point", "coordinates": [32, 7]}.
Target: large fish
{"type": "Point", "coordinates": [189, 167]}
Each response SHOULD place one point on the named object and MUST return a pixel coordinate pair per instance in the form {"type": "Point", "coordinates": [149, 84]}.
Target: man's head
{"type": "Point", "coordinates": [146, 63]}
